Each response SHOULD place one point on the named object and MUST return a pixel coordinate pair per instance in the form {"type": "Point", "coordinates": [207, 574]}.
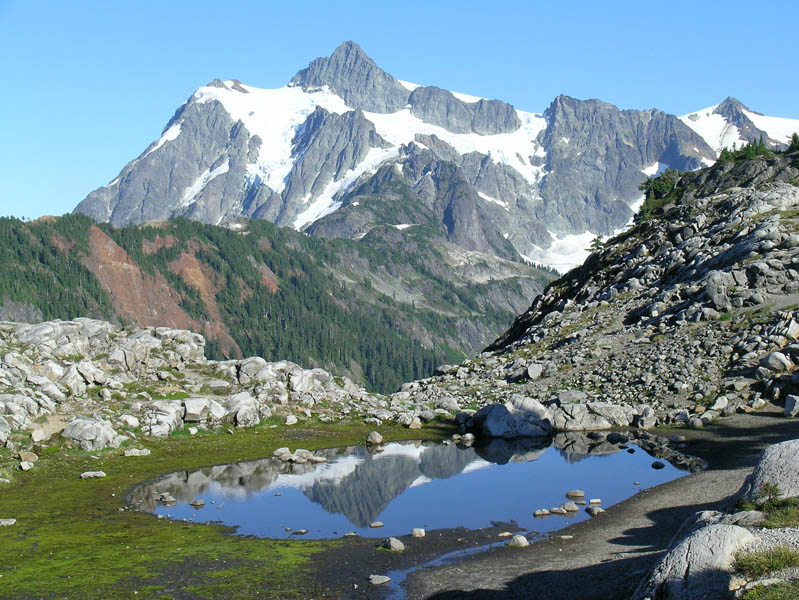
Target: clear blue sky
{"type": "Point", "coordinates": [88, 85]}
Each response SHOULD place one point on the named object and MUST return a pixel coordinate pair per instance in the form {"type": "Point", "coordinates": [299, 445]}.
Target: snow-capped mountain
{"type": "Point", "coordinates": [345, 147]}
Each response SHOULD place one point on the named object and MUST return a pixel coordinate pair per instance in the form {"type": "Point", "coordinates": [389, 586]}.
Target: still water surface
{"type": "Point", "coordinates": [409, 484]}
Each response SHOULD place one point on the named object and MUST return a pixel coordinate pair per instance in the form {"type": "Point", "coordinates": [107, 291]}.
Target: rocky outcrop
{"type": "Point", "coordinates": [778, 466]}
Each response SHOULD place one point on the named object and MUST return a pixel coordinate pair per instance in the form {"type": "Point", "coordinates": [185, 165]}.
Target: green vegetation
{"type": "Point", "coordinates": [72, 538]}
{"type": "Point", "coordinates": [659, 191]}
{"type": "Point", "coordinates": [747, 152]}
{"type": "Point", "coordinates": [787, 590]}
{"type": "Point", "coordinates": [763, 562]}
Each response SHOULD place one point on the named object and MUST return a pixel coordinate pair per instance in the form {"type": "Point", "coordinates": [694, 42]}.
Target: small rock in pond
{"type": "Point", "coordinates": [7, 522]}
{"type": "Point", "coordinates": [392, 544]}
{"type": "Point", "coordinates": [291, 420]}
{"type": "Point", "coordinates": [278, 494]}
{"type": "Point", "coordinates": [594, 510]}
{"type": "Point", "coordinates": [575, 494]}
{"type": "Point", "coordinates": [557, 510]}
{"type": "Point", "coordinates": [28, 456]}
{"type": "Point", "coordinates": [505, 534]}
{"type": "Point", "coordinates": [197, 503]}
{"type": "Point", "coordinates": [658, 465]}
{"type": "Point", "coordinates": [417, 532]}
{"type": "Point", "coordinates": [376, 524]}
{"type": "Point", "coordinates": [299, 532]}
{"type": "Point", "coordinates": [92, 475]}
{"type": "Point", "coordinates": [350, 534]}
{"type": "Point", "coordinates": [518, 541]}
{"type": "Point", "coordinates": [541, 512]}
{"type": "Point", "coordinates": [636, 483]}
{"type": "Point", "coordinates": [595, 501]}
{"type": "Point", "coordinates": [630, 450]}
{"type": "Point", "coordinates": [570, 507]}
{"type": "Point", "coordinates": [374, 438]}
{"type": "Point", "coordinates": [378, 579]}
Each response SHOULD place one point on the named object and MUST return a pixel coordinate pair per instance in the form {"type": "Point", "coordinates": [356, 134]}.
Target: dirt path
{"type": "Point", "coordinates": [609, 554]}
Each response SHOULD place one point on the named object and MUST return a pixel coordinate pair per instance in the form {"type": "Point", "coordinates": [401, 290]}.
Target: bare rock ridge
{"type": "Point", "coordinates": [493, 177]}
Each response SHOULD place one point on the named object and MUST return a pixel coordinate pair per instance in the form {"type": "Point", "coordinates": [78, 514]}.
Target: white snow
{"type": "Point", "coordinates": [509, 148]}
{"type": "Point", "coordinates": [656, 168]}
{"type": "Point", "coordinates": [274, 115]}
{"type": "Point", "coordinates": [493, 200]}
{"type": "Point", "coordinates": [170, 134]}
{"type": "Point", "coordinates": [324, 203]}
{"type": "Point", "coordinates": [777, 128]}
{"type": "Point", "coordinates": [475, 465]}
{"type": "Point", "coordinates": [565, 140]}
{"type": "Point", "coordinates": [421, 480]}
{"type": "Point", "coordinates": [116, 181]}
{"type": "Point", "coordinates": [195, 188]}
{"type": "Point", "coordinates": [713, 128]}
{"type": "Point", "coordinates": [468, 98]}
{"type": "Point", "coordinates": [403, 226]}
{"type": "Point", "coordinates": [406, 450]}
{"type": "Point", "coordinates": [335, 471]}
{"type": "Point", "coordinates": [565, 253]}
{"type": "Point", "coordinates": [408, 85]}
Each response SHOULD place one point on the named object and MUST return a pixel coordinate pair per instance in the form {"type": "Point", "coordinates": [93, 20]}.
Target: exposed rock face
{"type": "Point", "coordinates": [698, 567]}
{"type": "Point", "coordinates": [91, 434]}
{"type": "Point", "coordinates": [778, 465]}
{"type": "Point", "coordinates": [351, 74]}
{"type": "Point", "coordinates": [489, 176]}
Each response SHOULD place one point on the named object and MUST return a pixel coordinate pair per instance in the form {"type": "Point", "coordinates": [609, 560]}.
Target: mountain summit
{"type": "Point", "coordinates": [346, 147]}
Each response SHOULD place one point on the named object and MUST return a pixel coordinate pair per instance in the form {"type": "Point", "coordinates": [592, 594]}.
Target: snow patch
{"type": "Point", "coordinates": [334, 471]}
{"type": "Point", "coordinates": [421, 480]}
{"type": "Point", "coordinates": [408, 85]}
{"type": "Point", "coordinates": [713, 128]}
{"type": "Point", "coordinates": [325, 203]}
{"type": "Point", "coordinates": [475, 465]}
{"type": "Point", "coordinates": [406, 450]}
{"type": "Point", "coordinates": [400, 128]}
{"type": "Point", "coordinates": [493, 200]}
{"type": "Point", "coordinates": [274, 115]}
{"type": "Point", "coordinates": [194, 189]}
{"type": "Point", "coordinates": [656, 168]}
{"type": "Point", "coordinates": [564, 253]}
{"type": "Point", "coordinates": [468, 98]}
{"type": "Point", "coordinates": [169, 135]}
{"type": "Point", "coordinates": [776, 127]}
{"type": "Point", "coordinates": [565, 140]}
{"type": "Point", "coordinates": [403, 226]}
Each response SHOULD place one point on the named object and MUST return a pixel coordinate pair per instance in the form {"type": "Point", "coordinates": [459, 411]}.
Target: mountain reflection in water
{"type": "Point", "coordinates": [409, 484]}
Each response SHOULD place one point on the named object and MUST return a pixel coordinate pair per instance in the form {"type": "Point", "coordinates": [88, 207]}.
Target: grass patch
{"type": "Point", "coordinates": [72, 540]}
{"type": "Point", "coordinates": [761, 563]}
{"type": "Point", "coordinates": [787, 590]}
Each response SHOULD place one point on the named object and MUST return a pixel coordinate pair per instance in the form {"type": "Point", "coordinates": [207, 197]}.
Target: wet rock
{"type": "Point", "coordinates": [541, 512]}
{"type": "Point", "coordinates": [374, 438]}
{"type": "Point", "coordinates": [658, 465]}
{"type": "Point", "coordinates": [392, 544]}
{"type": "Point", "coordinates": [518, 541]}
{"type": "Point", "coordinates": [376, 524]}
{"type": "Point", "coordinates": [570, 507]}
{"type": "Point", "coordinates": [594, 510]}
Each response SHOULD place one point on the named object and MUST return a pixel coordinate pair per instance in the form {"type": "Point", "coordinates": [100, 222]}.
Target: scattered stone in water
{"type": "Point", "coordinates": [137, 452]}
{"type": "Point", "coordinates": [299, 532]}
{"type": "Point", "coordinates": [350, 534]}
{"type": "Point", "coordinates": [291, 420]}
{"type": "Point", "coordinates": [278, 494]}
{"type": "Point", "coordinates": [392, 544]}
{"type": "Point", "coordinates": [658, 465]}
{"type": "Point", "coordinates": [630, 450]}
{"type": "Point", "coordinates": [636, 483]}
{"type": "Point", "coordinates": [92, 474]}
{"type": "Point", "coordinates": [378, 579]}
{"type": "Point", "coordinates": [376, 524]}
{"type": "Point", "coordinates": [569, 507]}
{"type": "Point", "coordinates": [287, 529]}
{"type": "Point", "coordinates": [197, 503]}
{"type": "Point", "coordinates": [580, 502]}
{"type": "Point", "coordinates": [541, 512]}
{"type": "Point", "coordinates": [374, 438]}
{"type": "Point", "coordinates": [518, 541]}
{"type": "Point", "coordinates": [417, 532]}
{"type": "Point", "coordinates": [505, 534]}
{"type": "Point", "coordinates": [575, 494]}
{"type": "Point", "coordinates": [595, 501]}
{"type": "Point", "coordinates": [7, 522]}
{"type": "Point", "coordinates": [557, 510]}
{"type": "Point", "coordinates": [281, 451]}
{"type": "Point", "coordinates": [594, 510]}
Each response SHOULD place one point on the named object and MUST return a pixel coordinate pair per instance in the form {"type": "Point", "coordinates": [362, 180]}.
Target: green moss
{"type": "Point", "coordinates": [72, 538]}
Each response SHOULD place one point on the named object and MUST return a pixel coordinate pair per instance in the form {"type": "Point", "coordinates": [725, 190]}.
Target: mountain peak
{"type": "Point", "coordinates": [729, 106]}
{"type": "Point", "coordinates": [350, 73]}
